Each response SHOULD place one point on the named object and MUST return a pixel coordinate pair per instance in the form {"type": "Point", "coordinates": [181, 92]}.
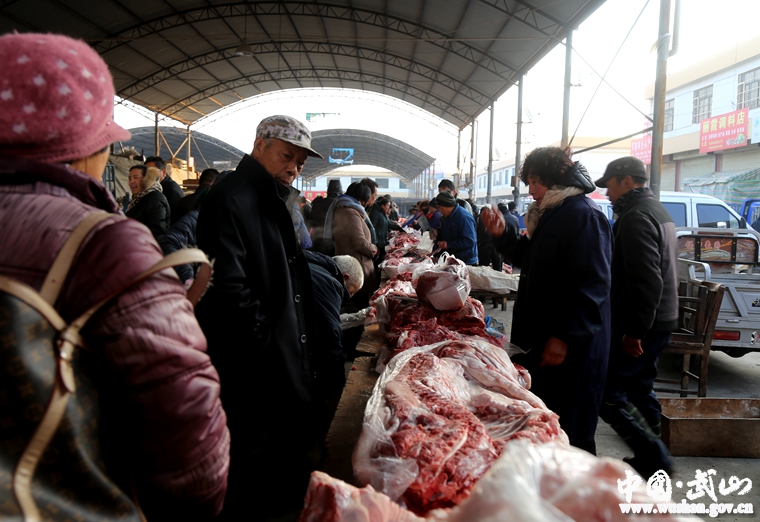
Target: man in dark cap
{"type": "Point", "coordinates": [319, 209]}
{"type": "Point", "coordinates": [258, 318]}
{"type": "Point", "coordinates": [446, 185]}
{"type": "Point", "coordinates": [644, 311]}
{"type": "Point", "coordinates": [457, 234]}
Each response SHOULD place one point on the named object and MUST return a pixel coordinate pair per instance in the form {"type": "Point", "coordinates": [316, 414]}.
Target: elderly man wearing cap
{"type": "Point", "coordinates": [257, 317]}
{"type": "Point", "coordinates": [457, 234]}
{"type": "Point", "coordinates": [145, 421]}
{"type": "Point", "coordinates": [644, 311]}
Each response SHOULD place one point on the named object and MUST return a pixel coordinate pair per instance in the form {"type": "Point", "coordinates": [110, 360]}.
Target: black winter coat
{"type": "Point", "coordinates": [644, 269]}
{"type": "Point", "coordinates": [254, 315]}
{"type": "Point", "coordinates": [153, 212]}
{"type": "Point", "coordinates": [330, 294]}
{"type": "Point", "coordinates": [181, 235]}
{"type": "Point", "coordinates": [564, 292]}
{"type": "Point", "coordinates": [382, 227]}
{"type": "Point", "coordinates": [172, 191]}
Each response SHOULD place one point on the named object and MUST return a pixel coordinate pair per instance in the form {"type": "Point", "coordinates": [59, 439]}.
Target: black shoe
{"type": "Point", "coordinates": [645, 469]}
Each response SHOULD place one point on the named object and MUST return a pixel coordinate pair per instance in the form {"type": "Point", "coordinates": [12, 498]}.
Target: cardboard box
{"type": "Point", "coordinates": [703, 427]}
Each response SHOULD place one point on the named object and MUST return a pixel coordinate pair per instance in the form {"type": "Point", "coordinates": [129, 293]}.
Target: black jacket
{"type": "Point", "coordinates": [644, 266]}
{"type": "Point", "coordinates": [255, 313]}
{"type": "Point", "coordinates": [330, 294]}
{"type": "Point", "coordinates": [181, 235]}
{"type": "Point", "coordinates": [382, 226]}
{"type": "Point", "coordinates": [153, 212]}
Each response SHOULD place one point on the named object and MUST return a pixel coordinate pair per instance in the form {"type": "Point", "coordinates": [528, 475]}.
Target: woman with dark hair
{"type": "Point", "coordinates": [345, 225]}
{"type": "Point", "coordinates": [378, 215]}
{"type": "Point", "coordinates": [562, 312]}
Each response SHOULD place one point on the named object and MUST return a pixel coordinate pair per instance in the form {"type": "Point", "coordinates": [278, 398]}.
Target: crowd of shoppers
{"type": "Point", "coordinates": [263, 363]}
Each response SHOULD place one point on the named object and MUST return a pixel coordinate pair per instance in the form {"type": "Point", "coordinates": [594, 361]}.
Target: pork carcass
{"type": "Point", "coordinates": [439, 416]}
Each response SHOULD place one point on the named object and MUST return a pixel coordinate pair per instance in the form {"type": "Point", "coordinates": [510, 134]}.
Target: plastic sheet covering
{"type": "Point", "coordinates": [486, 279]}
{"type": "Point", "coordinates": [439, 416]}
{"type": "Point", "coordinates": [550, 482]}
{"type": "Point", "coordinates": [445, 286]}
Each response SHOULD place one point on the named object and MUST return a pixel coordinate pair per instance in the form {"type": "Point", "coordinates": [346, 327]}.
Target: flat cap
{"type": "Point", "coordinates": [627, 166]}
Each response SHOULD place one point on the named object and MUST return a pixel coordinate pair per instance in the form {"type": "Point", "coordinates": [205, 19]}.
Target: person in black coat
{"type": "Point", "coordinates": [172, 191]}
{"type": "Point", "coordinates": [319, 208]}
{"type": "Point", "coordinates": [258, 318]}
{"type": "Point", "coordinates": [378, 215]}
{"type": "Point", "coordinates": [562, 312]}
{"type": "Point", "coordinates": [182, 235]}
{"type": "Point", "coordinates": [148, 204]}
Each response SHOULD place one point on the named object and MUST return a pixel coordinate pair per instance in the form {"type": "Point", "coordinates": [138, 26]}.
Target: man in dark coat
{"type": "Point", "coordinates": [335, 281]}
{"type": "Point", "coordinates": [169, 187]}
{"type": "Point", "coordinates": [256, 318]}
{"type": "Point", "coordinates": [562, 311]}
{"type": "Point", "coordinates": [644, 311]}
{"type": "Point", "coordinates": [319, 209]}
{"type": "Point", "coordinates": [187, 203]}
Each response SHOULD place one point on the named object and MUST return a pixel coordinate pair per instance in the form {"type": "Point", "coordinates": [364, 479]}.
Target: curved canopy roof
{"type": "Point", "coordinates": [204, 148]}
{"type": "Point", "coordinates": [449, 57]}
{"type": "Point", "coordinates": [366, 148]}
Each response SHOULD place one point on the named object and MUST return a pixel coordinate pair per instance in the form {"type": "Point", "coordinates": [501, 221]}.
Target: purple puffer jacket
{"type": "Point", "coordinates": [172, 431]}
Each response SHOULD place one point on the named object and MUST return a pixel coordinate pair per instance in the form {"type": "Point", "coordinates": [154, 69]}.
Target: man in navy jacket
{"type": "Point", "coordinates": [457, 235]}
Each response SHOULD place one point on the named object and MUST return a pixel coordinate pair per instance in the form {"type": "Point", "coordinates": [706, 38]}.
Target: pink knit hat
{"type": "Point", "coordinates": [56, 98]}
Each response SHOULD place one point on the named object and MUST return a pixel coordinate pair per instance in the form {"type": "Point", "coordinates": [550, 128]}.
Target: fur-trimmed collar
{"type": "Point", "coordinates": [553, 198]}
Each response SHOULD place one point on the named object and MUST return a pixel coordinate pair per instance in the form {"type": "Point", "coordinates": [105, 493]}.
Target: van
{"type": "Point", "coordinates": [691, 210]}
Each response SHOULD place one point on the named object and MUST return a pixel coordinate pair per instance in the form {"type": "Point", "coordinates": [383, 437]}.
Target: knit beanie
{"type": "Point", "coordinates": [56, 98]}
{"type": "Point", "coordinates": [446, 199]}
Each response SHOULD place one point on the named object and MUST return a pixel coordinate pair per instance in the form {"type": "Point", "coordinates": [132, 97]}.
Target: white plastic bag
{"type": "Point", "coordinates": [444, 286]}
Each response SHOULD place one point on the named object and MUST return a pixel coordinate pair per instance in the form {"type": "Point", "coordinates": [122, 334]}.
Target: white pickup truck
{"type": "Point", "coordinates": [729, 257]}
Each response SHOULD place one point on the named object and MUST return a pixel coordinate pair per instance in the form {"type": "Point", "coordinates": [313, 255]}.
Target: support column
{"type": "Point", "coordinates": [518, 142]}
{"type": "Point", "coordinates": [470, 178]}
{"type": "Point", "coordinates": [189, 136]}
{"type": "Point", "coordinates": [158, 142]}
{"type": "Point", "coordinates": [490, 157]}
{"type": "Point", "coordinates": [658, 125]}
{"type": "Point", "coordinates": [566, 99]}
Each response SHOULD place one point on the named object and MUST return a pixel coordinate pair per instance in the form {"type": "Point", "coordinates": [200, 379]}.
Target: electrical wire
{"type": "Point", "coordinates": [605, 75]}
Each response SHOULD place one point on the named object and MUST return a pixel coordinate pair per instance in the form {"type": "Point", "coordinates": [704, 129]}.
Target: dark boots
{"type": "Point", "coordinates": [650, 453]}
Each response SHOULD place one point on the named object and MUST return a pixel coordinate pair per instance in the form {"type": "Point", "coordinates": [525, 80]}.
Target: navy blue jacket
{"type": "Point", "coordinates": [458, 230]}
{"type": "Point", "coordinates": [181, 235]}
{"type": "Point", "coordinates": [564, 292]}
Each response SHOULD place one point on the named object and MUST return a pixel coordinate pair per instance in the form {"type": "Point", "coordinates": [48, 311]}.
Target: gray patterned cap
{"type": "Point", "coordinates": [287, 129]}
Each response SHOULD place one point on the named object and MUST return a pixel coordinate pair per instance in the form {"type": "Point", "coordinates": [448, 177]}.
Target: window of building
{"type": "Point", "coordinates": [748, 90]}
{"type": "Point", "coordinates": [702, 104]}
{"type": "Point", "coordinates": [382, 183]}
{"type": "Point", "coordinates": [402, 185]}
{"type": "Point", "coordinates": [669, 110]}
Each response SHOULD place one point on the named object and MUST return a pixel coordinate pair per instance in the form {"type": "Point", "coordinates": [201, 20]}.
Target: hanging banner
{"type": "Point", "coordinates": [642, 149]}
{"type": "Point", "coordinates": [727, 131]}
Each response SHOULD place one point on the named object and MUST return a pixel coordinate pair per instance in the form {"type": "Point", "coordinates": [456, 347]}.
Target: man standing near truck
{"type": "Point", "coordinates": [644, 311]}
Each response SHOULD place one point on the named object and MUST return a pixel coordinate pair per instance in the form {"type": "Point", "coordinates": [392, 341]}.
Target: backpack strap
{"type": "Point", "coordinates": [69, 338]}
{"type": "Point", "coordinates": [55, 278]}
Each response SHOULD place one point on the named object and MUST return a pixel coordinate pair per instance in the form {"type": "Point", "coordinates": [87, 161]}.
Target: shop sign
{"type": "Point", "coordinates": [311, 194]}
{"type": "Point", "coordinates": [642, 149]}
{"type": "Point", "coordinates": [727, 131]}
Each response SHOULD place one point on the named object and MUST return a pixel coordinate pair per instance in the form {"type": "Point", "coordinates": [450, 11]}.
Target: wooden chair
{"type": "Point", "coordinates": [697, 316]}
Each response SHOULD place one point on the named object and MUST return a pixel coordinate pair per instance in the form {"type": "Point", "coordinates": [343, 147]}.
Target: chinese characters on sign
{"type": "Point", "coordinates": [726, 131]}
{"type": "Point", "coordinates": [642, 149]}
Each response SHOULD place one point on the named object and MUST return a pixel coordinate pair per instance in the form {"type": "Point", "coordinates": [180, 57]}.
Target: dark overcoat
{"type": "Point", "coordinates": [255, 319]}
{"type": "Point", "coordinates": [564, 292]}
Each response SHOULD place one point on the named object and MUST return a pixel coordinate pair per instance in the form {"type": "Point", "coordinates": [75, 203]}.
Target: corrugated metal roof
{"type": "Point", "coordinates": [177, 57]}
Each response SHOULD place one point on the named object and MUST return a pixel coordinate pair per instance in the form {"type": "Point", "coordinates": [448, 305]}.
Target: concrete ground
{"type": "Point", "coordinates": [728, 377]}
